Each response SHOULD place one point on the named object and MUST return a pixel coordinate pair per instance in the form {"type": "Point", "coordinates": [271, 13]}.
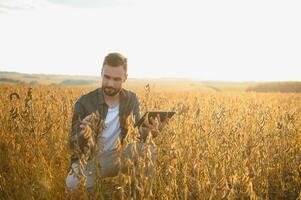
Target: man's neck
{"type": "Point", "coordinates": [112, 101]}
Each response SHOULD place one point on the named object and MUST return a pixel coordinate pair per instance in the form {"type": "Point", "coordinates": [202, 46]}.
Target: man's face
{"type": "Point", "coordinates": [112, 79]}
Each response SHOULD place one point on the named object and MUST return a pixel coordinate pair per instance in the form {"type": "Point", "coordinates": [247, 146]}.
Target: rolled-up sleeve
{"type": "Point", "coordinates": [78, 115]}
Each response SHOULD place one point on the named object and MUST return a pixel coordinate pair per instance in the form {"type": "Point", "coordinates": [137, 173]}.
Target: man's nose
{"type": "Point", "coordinates": [110, 83]}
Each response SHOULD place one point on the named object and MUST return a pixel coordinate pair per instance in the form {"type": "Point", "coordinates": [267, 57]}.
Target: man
{"type": "Point", "coordinates": [115, 104]}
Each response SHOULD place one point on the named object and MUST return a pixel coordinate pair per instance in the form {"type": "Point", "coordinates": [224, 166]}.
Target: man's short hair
{"type": "Point", "coordinates": [115, 60]}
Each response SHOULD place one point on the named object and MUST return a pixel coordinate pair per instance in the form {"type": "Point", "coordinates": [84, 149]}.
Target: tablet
{"type": "Point", "coordinates": [163, 115]}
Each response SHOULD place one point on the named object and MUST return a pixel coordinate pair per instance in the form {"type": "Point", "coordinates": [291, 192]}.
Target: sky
{"type": "Point", "coordinates": [233, 40]}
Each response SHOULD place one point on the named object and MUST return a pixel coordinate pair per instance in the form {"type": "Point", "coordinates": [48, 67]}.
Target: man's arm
{"type": "Point", "coordinates": [136, 110]}
{"type": "Point", "coordinates": [78, 114]}
{"type": "Point", "coordinates": [137, 115]}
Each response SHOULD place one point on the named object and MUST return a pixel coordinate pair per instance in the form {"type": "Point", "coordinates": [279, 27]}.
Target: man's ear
{"type": "Point", "coordinates": [125, 77]}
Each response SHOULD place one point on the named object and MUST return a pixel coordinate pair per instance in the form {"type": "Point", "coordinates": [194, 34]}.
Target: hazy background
{"type": "Point", "coordinates": [233, 40]}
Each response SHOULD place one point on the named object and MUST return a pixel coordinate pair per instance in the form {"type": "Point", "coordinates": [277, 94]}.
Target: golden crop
{"type": "Point", "coordinates": [218, 146]}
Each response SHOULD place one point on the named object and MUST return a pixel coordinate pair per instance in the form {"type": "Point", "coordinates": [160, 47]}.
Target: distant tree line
{"type": "Point", "coordinates": [16, 81]}
{"type": "Point", "coordinates": [77, 82]}
{"type": "Point", "coordinates": [9, 80]}
{"type": "Point", "coordinates": [276, 87]}
{"type": "Point", "coordinates": [214, 88]}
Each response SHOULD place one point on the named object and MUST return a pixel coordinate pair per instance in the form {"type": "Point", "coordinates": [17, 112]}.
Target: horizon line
{"type": "Point", "coordinates": [153, 78]}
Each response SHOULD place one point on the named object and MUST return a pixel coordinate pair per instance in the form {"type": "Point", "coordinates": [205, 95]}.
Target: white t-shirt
{"type": "Point", "coordinates": [112, 131]}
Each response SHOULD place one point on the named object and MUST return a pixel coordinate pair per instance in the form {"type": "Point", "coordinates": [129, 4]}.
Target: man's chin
{"type": "Point", "coordinates": [111, 94]}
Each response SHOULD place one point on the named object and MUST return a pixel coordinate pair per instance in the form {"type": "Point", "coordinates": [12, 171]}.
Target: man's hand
{"type": "Point", "coordinates": [153, 125]}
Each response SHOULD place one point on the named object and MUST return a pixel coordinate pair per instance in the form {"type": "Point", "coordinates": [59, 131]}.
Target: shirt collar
{"type": "Point", "coordinates": [101, 98]}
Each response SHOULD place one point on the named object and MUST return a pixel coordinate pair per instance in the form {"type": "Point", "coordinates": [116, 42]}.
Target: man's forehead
{"type": "Point", "coordinates": [113, 71]}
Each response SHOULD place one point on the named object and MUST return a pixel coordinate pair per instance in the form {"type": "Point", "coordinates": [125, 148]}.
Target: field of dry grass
{"type": "Point", "coordinates": [218, 146]}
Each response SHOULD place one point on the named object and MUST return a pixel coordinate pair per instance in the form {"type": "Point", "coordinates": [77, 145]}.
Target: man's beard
{"type": "Point", "coordinates": [109, 91]}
